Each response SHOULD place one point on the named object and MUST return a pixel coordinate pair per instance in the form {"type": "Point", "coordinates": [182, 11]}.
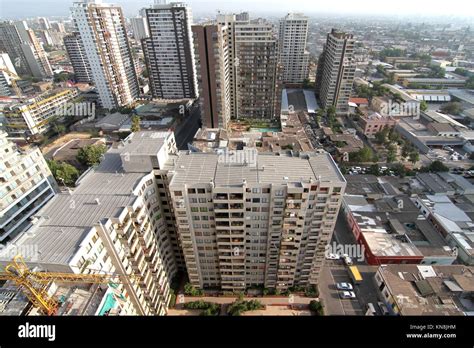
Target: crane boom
{"type": "Point", "coordinates": [35, 284]}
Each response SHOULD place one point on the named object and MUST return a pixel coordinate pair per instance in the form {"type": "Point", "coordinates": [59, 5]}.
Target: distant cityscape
{"type": "Point", "coordinates": [227, 164]}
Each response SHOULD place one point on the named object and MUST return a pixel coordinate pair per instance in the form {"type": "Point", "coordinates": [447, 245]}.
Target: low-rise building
{"type": "Point", "coordinates": [426, 290]}
{"type": "Point", "coordinates": [391, 230]}
{"type": "Point", "coordinates": [452, 222]}
{"type": "Point", "coordinates": [33, 116]}
{"type": "Point", "coordinates": [375, 122]}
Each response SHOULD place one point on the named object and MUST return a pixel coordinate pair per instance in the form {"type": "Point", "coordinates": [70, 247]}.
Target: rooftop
{"type": "Point", "coordinates": [231, 168]}
{"type": "Point", "coordinates": [430, 290]}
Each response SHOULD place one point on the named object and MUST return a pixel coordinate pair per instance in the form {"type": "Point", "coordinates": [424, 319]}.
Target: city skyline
{"type": "Point", "coordinates": [419, 9]}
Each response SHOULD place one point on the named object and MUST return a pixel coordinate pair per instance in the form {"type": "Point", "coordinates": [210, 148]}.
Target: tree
{"type": "Point", "coordinates": [316, 307]}
{"type": "Point", "coordinates": [453, 108]}
{"type": "Point", "coordinates": [363, 155]}
{"type": "Point", "coordinates": [391, 154]}
{"type": "Point", "coordinates": [423, 105]}
{"type": "Point", "coordinates": [91, 155]}
{"type": "Point", "coordinates": [135, 124]}
{"type": "Point", "coordinates": [374, 169]}
{"type": "Point", "coordinates": [59, 128]}
{"type": "Point", "coordinates": [190, 290]}
{"type": "Point", "coordinates": [63, 172]}
{"type": "Point", "coordinates": [435, 167]}
{"type": "Point", "coordinates": [414, 157]}
{"type": "Point", "coordinates": [380, 136]}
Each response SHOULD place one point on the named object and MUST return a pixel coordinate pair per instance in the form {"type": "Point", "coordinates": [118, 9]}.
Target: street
{"type": "Point", "coordinates": [334, 271]}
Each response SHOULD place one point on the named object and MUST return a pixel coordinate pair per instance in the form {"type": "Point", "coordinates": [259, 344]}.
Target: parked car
{"type": "Point", "coordinates": [347, 260]}
{"type": "Point", "coordinates": [383, 308]}
{"type": "Point", "coordinates": [332, 257]}
{"type": "Point", "coordinates": [347, 294]}
{"type": "Point", "coordinates": [344, 286]}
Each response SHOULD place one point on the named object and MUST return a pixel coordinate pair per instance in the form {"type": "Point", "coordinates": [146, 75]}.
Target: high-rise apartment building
{"type": "Point", "coordinates": [247, 219]}
{"type": "Point", "coordinates": [77, 56]}
{"type": "Point", "coordinates": [102, 30]}
{"type": "Point", "coordinates": [336, 71]}
{"type": "Point", "coordinates": [113, 222]}
{"type": "Point", "coordinates": [24, 49]}
{"type": "Point", "coordinates": [26, 185]}
{"type": "Point", "coordinates": [257, 70]}
{"type": "Point", "coordinates": [213, 73]}
{"type": "Point", "coordinates": [169, 52]}
{"type": "Point", "coordinates": [294, 57]}
{"type": "Point", "coordinates": [139, 26]}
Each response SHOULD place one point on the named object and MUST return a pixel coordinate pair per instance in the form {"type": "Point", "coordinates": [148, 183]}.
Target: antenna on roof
{"type": "Point", "coordinates": [97, 201]}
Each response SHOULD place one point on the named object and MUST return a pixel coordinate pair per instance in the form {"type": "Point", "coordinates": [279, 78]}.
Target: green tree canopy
{"type": "Point", "coordinates": [90, 155]}
{"type": "Point", "coordinates": [63, 172]}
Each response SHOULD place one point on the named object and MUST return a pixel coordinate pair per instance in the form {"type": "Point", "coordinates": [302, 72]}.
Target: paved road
{"type": "Point", "coordinates": [186, 131]}
{"type": "Point", "coordinates": [334, 271]}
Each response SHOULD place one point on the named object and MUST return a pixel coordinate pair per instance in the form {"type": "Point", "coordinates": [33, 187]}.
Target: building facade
{"type": "Point", "coordinates": [169, 52]}
{"type": "Point", "coordinates": [257, 70]}
{"type": "Point", "coordinates": [102, 30]}
{"type": "Point", "coordinates": [294, 57]}
{"type": "Point", "coordinates": [213, 74]}
{"type": "Point", "coordinates": [21, 44]}
{"type": "Point", "coordinates": [77, 56]}
{"type": "Point", "coordinates": [113, 222]}
{"type": "Point", "coordinates": [27, 184]}
{"type": "Point", "coordinates": [33, 116]}
{"type": "Point", "coordinates": [336, 71]}
{"type": "Point", "coordinates": [246, 219]}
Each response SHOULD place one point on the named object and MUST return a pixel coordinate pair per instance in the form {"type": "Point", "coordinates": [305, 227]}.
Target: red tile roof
{"type": "Point", "coordinates": [359, 101]}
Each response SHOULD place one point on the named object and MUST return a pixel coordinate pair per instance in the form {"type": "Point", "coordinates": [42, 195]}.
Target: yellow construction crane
{"type": "Point", "coordinates": [35, 285]}
{"type": "Point", "coordinates": [13, 77]}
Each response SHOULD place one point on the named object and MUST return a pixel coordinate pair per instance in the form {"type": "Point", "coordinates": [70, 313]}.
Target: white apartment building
{"type": "Point", "coordinates": [246, 219]}
{"type": "Point", "coordinates": [5, 78]}
{"type": "Point", "coordinates": [113, 222]}
{"type": "Point", "coordinates": [26, 185]}
{"type": "Point", "coordinates": [22, 46]}
{"type": "Point", "coordinates": [77, 56]}
{"type": "Point", "coordinates": [336, 71]}
{"type": "Point", "coordinates": [102, 30]}
{"type": "Point", "coordinates": [139, 26]}
{"type": "Point", "coordinates": [32, 117]}
{"type": "Point", "coordinates": [32, 49]}
{"type": "Point", "coordinates": [169, 52]}
{"type": "Point", "coordinates": [230, 21]}
{"type": "Point", "coordinates": [294, 57]}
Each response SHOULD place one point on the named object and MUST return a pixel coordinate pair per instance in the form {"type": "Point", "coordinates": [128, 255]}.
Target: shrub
{"type": "Point", "coordinates": [316, 307]}
{"type": "Point", "coordinates": [190, 290]}
{"type": "Point", "coordinates": [238, 307]}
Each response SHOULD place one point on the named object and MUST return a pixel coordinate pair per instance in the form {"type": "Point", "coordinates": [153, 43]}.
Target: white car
{"type": "Point", "coordinates": [332, 257]}
{"type": "Point", "coordinates": [344, 286]}
{"type": "Point", "coordinates": [347, 259]}
{"type": "Point", "coordinates": [347, 294]}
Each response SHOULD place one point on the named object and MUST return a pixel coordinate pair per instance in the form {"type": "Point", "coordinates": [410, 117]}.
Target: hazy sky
{"type": "Point", "coordinates": [461, 8]}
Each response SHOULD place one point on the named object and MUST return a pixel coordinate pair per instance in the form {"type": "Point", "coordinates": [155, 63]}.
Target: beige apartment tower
{"type": "Point", "coordinates": [336, 71]}
{"type": "Point", "coordinates": [254, 219]}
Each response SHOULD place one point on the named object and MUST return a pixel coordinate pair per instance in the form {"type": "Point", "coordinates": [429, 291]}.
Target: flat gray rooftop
{"type": "Point", "coordinates": [262, 168]}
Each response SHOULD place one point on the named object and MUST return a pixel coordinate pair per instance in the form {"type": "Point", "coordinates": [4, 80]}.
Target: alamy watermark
{"type": "Point", "coordinates": [82, 109]}
{"type": "Point", "coordinates": [28, 251]}
{"type": "Point", "coordinates": [394, 108]}
{"type": "Point", "coordinates": [247, 156]}
{"type": "Point", "coordinates": [354, 251]}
